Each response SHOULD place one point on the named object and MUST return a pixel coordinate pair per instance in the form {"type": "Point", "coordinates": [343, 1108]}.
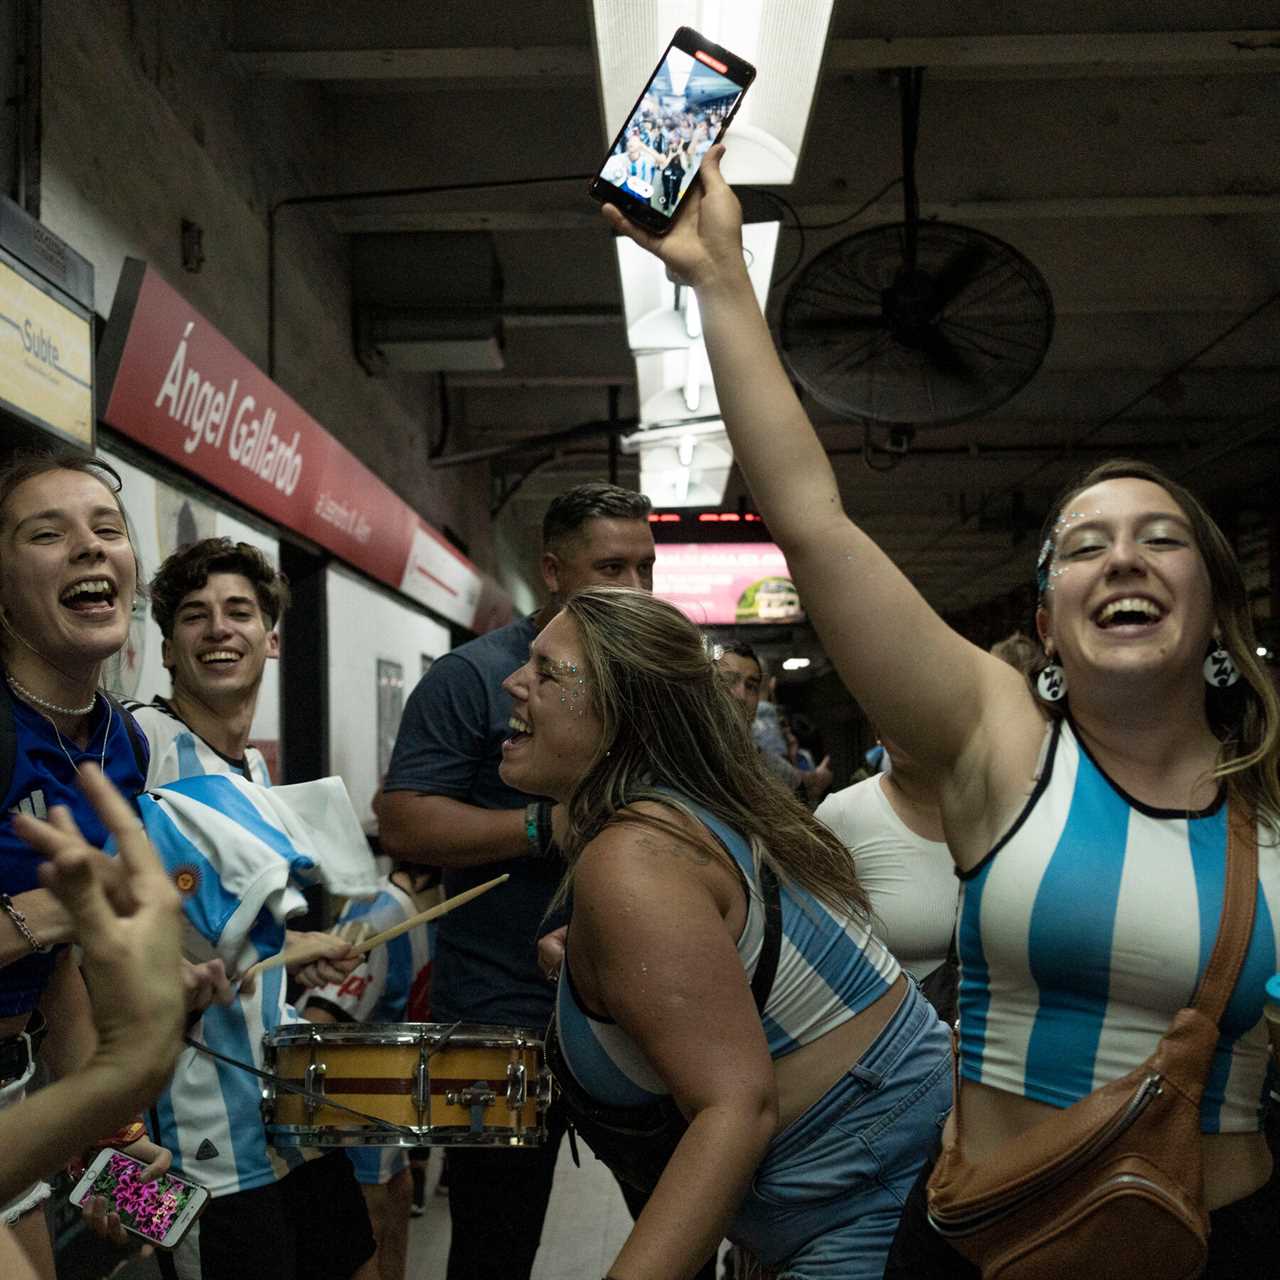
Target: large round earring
{"type": "Point", "coordinates": [1220, 672]}
{"type": "Point", "coordinates": [1051, 683]}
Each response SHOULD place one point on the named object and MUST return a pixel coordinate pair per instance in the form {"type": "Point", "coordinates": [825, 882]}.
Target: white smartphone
{"type": "Point", "coordinates": [160, 1211]}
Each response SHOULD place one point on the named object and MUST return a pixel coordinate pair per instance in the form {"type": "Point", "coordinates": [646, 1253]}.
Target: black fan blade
{"type": "Point", "coordinates": [942, 354]}
{"type": "Point", "coordinates": [824, 326]}
{"type": "Point", "coordinates": [958, 272]}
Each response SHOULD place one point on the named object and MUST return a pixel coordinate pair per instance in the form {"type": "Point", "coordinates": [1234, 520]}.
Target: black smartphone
{"type": "Point", "coordinates": [685, 108]}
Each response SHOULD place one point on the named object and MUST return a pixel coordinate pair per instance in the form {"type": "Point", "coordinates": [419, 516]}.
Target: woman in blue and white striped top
{"type": "Point", "coordinates": [1088, 829]}
{"type": "Point", "coordinates": [809, 1116]}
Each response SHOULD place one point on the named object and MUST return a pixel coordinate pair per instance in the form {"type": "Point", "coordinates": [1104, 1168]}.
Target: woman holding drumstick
{"type": "Point", "coordinates": [1088, 819]}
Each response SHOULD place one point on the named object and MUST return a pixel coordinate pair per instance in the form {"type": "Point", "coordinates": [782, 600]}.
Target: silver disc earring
{"type": "Point", "coordinates": [1051, 683]}
{"type": "Point", "coordinates": [1219, 670]}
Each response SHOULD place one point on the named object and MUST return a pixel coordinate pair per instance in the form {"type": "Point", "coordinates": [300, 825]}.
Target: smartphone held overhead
{"type": "Point", "coordinates": [160, 1211]}
{"type": "Point", "coordinates": [680, 114]}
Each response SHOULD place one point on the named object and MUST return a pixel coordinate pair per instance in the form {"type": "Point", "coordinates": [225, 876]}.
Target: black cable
{"type": "Point", "coordinates": [801, 227]}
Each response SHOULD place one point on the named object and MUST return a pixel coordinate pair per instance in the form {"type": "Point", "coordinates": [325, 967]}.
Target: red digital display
{"type": "Point", "coordinates": [714, 63]}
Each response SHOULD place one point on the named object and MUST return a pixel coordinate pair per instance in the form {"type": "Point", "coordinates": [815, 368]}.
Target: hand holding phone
{"type": "Point", "coordinates": [683, 111]}
{"type": "Point", "coordinates": [706, 244]}
{"type": "Point", "coordinates": [160, 1211]}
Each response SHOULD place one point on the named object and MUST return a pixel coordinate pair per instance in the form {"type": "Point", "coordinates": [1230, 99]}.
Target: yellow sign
{"type": "Point", "coordinates": [46, 358]}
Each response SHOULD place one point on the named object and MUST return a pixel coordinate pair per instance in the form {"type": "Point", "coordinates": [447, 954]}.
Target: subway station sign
{"type": "Point", "coordinates": [46, 356]}
{"type": "Point", "coordinates": [174, 383]}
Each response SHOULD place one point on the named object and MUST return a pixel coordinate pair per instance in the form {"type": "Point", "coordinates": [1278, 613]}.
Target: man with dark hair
{"type": "Point", "coordinates": [190, 567]}
{"type": "Point", "coordinates": [443, 803]}
{"type": "Point", "coordinates": [743, 677]}
{"type": "Point", "coordinates": [218, 604]}
{"type": "Point", "coordinates": [740, 671]}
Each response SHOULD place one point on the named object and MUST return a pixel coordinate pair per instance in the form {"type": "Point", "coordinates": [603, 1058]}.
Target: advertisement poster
{"type": "Point", "coordinates": [727, 583]}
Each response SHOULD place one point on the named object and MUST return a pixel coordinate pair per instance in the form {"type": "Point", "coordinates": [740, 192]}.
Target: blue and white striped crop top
{"type": "Point", "coordinates": [1087, 928]}
{"type": "Point", "coordinates": [829, 969]}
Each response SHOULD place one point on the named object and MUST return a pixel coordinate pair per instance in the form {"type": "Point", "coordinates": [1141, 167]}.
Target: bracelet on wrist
{"type": "Point", "coordinates": [20, 923]}
{"type": "Point", "coordinates": [531, 829]}
{"type": "Point", "coordinates": [537, 829]}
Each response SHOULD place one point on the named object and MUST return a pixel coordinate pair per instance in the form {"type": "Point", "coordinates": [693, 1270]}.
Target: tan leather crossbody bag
{"type": "Point", "coordinates": [1112, 1187]}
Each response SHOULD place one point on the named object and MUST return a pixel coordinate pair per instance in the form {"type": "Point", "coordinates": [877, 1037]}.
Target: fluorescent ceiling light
{"type": "Point", "coordinates": [684, 466]}
{"type": "Point", "coordinates": [794, 664]}
{"type": "Point", "coordinates": [662, 315]}
{"type": "Point", "coordinates": [675, 385]}
{"type": "Point", "coordinates": [782, 39]}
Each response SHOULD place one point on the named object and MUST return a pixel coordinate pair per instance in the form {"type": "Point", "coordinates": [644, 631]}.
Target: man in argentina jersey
{"type": "Point", "coordinates": [271, 1215]}
{"type": "Point", "coordinates": [391, 984]}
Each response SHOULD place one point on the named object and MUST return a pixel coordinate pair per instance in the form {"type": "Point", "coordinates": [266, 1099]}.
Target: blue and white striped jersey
{"type": "Point", "coordinates": [829, 969]}
{"type": "Point", "coordinates": [235, 903]}
{"type": "Point", "coordinates": [391, 985]}
{"type": "Point", "coordinates": [1087, 928]}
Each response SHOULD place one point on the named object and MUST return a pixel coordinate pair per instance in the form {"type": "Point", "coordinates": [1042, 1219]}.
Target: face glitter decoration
{"type": "Point", "coordinates": [1045, 573]}
{"type": "Point", "coordinates": [573, 687]}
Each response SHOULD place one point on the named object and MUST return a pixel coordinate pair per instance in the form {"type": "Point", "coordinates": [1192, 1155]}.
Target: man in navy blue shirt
{"type": "Point", "coordinates": [444, 804]}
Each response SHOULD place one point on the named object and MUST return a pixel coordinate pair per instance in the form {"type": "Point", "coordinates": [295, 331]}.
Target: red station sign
{"type": "Point", "coordinates": [173, 382]}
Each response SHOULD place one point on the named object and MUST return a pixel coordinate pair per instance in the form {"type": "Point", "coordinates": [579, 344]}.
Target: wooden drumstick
{"type": "Point", "coordinates": [315, 949]}
{"type": "Point", "coordinates": [440, 909]}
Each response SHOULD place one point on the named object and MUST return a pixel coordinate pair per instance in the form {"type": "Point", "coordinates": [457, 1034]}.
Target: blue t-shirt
{"type": "Point", "coordinates": [450, 744]}
{"type": "Point", "coordinates": [44, 774]}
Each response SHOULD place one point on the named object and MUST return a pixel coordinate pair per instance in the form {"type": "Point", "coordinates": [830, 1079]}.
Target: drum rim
{"type": "Point", "coordinates": [334, 1136]}
{"type": "Point", "coordinates": [464, 1034]}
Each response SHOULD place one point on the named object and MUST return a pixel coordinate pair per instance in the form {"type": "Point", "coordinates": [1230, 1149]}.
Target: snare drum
{"type": "Point", "coordinates": [409, 1084]}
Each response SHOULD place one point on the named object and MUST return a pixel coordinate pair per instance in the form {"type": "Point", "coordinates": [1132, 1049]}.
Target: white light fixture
{"type": "Point", "coordinates": [794, 664]}
{"type": "Point", "coordinates": [662, 316]}
{"type": "Point", "coordinates": [683, 466]}
{"type": "Point", "coordinates": [1261, 651]}
{"type": "Point", "coordinates": [783, 39]}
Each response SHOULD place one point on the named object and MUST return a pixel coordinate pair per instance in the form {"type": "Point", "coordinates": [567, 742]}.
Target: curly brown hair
{"type": "Point", "coordinates": [188, 569]}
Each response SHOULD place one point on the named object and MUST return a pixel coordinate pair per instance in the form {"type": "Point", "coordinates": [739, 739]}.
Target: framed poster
{"type": "Point", "coordinates": [390, 708]}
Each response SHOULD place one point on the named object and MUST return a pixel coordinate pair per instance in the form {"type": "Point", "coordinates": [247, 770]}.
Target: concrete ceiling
{"type": "Point", "coordinates": [1129, 151]}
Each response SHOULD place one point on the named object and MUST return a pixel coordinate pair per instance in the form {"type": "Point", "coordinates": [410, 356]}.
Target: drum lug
{"type": "Point", "coordinates": [546, 1087]}
{"type": "Point", "coordinates": [422, 1087]}
{"type": "Point", "coordinates": [517, 1085]}
{"type": "Point", "coordinates": [313, 1083]}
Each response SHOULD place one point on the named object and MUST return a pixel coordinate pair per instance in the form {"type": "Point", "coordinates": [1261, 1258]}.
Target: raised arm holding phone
{"type": "Point", "coordinates": [1066, 803]}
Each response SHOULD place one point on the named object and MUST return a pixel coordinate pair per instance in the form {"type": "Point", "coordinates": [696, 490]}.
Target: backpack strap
{"type": "Point", "coordinates": [137, 739]}
{"type": "Point", "coordinates": [8, 742]}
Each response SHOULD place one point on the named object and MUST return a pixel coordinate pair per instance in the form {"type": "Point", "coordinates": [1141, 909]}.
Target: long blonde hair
{"type": "Point", "coordinates": [1244, 716]}
{"type": "Point", "coordinates": [670, 725]}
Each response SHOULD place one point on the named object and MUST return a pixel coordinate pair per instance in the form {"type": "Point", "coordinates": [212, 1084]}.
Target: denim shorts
{"type": "Point", "coordinates": [825, 1202]}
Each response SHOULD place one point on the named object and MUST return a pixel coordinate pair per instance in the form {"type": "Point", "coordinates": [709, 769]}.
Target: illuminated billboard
{"type": "Point", "coordinates": [726, 583]}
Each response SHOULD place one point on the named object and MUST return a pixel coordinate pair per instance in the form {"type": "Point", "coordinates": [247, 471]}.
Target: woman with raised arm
{"type": "Point", "coordinates": [1087, 817]}
{"type": "Point", "coordinates": [720, 990]}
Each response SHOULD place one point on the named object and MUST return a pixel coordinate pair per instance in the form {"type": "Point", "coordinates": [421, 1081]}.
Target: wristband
{"type": "Point", "coordinates": [531, 828]}
{"type": "Point", "coordinates": [537, 828]}
{"type": "Point", "coordinates": [20, 923]}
